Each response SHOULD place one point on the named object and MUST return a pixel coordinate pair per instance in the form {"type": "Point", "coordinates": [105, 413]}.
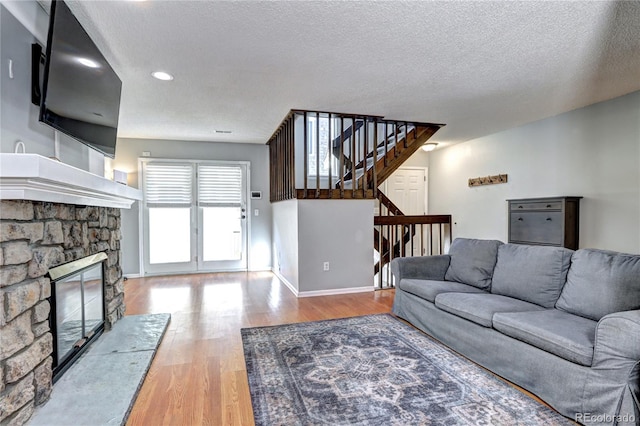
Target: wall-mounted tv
{"type": "Point", "coordinates": [80, 91]}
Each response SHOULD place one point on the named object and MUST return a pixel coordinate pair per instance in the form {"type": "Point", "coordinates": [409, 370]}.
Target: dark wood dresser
{"type": "Point", "coordinates": [552, 221]}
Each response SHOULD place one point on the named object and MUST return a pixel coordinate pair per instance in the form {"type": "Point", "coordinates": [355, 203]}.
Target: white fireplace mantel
{"type": "Point", "coordinates": [37, 178]}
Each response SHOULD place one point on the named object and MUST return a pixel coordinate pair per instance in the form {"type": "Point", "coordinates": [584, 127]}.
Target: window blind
{"type": "Point", "coordinates": [168, 185]}
{"type": "Point", "coordinates": [219, 186]}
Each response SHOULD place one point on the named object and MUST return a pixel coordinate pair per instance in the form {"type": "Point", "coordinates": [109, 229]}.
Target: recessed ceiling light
{"type": "Point", "coordinates": [88, 63]}
{"type": "Point", "coordinates": [161, 75]}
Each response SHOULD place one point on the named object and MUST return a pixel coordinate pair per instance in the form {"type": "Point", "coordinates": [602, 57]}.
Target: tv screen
{"type": "Point", "coordinates": [81, 92]}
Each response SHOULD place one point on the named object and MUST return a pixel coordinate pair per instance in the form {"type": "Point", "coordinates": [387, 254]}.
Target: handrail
{"type": "Point", "coordinates": [412, 219]}
{"type": "Point", "coordinates": [339, 114]}
{"type": "Point", "coordinates": [335, 143]}
{"type": "Point", "coordinates": [390, 205]}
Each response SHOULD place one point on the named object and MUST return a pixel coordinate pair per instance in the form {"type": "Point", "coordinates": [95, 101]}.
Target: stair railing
{"type": "Point", "coordinates": [324, 155]}
{"type": "Point", "coordinates": [396, 234]}
{"type": "Point", "coordinates": [404, 235]}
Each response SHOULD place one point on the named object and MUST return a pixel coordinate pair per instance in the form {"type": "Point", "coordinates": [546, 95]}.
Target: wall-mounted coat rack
{"type": "Point", "coordinates": [488, 180]}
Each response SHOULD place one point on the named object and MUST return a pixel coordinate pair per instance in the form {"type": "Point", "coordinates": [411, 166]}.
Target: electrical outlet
{"type": "Point", "coordinates": [325, 266]}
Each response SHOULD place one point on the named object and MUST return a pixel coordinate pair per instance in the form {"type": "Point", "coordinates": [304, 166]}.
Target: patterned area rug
{"type": "Point", "coordinates": [374, 370]}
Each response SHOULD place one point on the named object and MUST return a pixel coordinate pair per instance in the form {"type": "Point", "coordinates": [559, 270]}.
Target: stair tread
{"type": "Point", "coordinates": [381, 151]}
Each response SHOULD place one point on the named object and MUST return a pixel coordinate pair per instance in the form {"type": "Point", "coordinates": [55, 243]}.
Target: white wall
{"type": "Point", "coordinates": [593, 152]}
{"type": "Point", "coordinates": [127, 154]}
{"type": "Point", "coordinates": [285, 242]}
{"type": "Point", "coordinates": [307, 233]}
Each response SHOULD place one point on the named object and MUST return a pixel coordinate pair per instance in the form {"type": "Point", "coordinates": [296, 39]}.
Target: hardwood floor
{"type": "Point", "coordinates": [198, 376]}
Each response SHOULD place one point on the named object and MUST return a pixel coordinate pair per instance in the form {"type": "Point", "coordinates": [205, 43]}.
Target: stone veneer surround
{"type": "Point", "coordinates": [35, 236]}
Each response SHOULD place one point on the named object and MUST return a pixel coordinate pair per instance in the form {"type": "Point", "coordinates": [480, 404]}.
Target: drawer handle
{"type": "Point", "coordinates": [520, 219]}
{"type": "Point", "coordinates": [520, 207]}
{"type": "Point", "coordinates": [548, 206]}
{"type": "Point", "coordinates": [548, 219]}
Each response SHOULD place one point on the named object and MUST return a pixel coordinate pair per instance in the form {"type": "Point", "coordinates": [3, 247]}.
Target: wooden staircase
{"type": "Point", "coordinates": [400, 143]}
{"type": "Point", "coordinates": [326, 155]}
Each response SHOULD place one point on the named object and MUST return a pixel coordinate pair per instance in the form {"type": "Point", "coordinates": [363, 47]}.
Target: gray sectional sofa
{"type": "Point", "coordinates": [564, 325]}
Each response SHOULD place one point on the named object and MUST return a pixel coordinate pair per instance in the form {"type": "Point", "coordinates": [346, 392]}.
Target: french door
{"type": "Point", "coordinates": [194, 216]}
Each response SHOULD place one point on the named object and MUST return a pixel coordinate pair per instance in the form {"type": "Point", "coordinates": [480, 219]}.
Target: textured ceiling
{"type": "Point", "coordinates": [479, 67]}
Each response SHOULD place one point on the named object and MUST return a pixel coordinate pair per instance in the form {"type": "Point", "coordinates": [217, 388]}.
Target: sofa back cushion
{"type": "Point", "coordinates": [472, 261]}
{"type": "Point", "coordinates": [601, 282]}
{"type": "Point", "coordinates": [534, 274]}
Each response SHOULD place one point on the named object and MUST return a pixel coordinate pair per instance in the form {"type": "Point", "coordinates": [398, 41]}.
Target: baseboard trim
{"type": "Point", "coordinates": [329, 292]}
{"type": "Point", "coordinates": [335, 291]}
{"type": "Point", "coordinates": [132, 276]}
{"type": "Point", "coordinates": [261, 269]}
{"type": "Point", "coordinates": [285, 282]}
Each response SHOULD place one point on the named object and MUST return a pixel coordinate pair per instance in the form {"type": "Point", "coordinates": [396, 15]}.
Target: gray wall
{"type": "Point", "coordinates": [18, 116]}
{"type": "Point", "coordinates": [127, 154]}
{"type": "Point", "coordinates": [307, 233]}
{"type": "Point", "coordinates": [592, 152]}
{"type": "Point", "coordinates": [339, 232]}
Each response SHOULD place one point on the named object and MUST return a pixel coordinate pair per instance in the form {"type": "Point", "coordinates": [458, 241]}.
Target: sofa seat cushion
{"type": "Point", "coordinates": [480, 308]}
{"type": "Point", "coordinates": [472, 261]}
{"type": "Point", "coordinates": [534, 274]}
{"type": "Point", "coordinates": [601, 282]}
{"type": "Point", "coordinates": [569, 336]}
{"type": "Point", "coordinates": [428, 289]}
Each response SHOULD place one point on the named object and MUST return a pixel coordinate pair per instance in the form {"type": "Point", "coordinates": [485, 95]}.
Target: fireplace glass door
{"type": "Point", "coordinates": [78, 312]}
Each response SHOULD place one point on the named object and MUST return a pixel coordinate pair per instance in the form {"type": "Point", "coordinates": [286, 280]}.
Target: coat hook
{"type": "Point", "coordinates": [488, 180]}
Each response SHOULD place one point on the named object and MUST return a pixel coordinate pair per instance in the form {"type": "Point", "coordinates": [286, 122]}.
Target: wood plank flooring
{"type": "Point", "coordinates": [198, 376]}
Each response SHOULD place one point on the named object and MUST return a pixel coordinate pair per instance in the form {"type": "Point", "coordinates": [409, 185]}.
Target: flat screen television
{"type": "Point", "coordinates": [80, 90]}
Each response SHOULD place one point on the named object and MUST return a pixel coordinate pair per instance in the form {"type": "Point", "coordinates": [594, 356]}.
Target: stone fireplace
{"type": "Point", "coordinates": [50, 214]}
{"type": "Point", "coordinates": [36, 236]}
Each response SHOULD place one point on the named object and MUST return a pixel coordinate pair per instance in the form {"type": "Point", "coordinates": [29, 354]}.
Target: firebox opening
{"type": "Point", "coordinates": [77, 308]}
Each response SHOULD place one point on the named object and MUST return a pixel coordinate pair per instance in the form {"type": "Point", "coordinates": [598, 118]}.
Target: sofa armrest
{"type": "Point", "coordinates": [422, 267]}
{"type": "Point", "coordinates": [617, 343]}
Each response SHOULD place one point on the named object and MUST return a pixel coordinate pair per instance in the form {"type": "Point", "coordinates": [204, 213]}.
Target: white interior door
{"type": "Point", "coordinates": [407, 189]}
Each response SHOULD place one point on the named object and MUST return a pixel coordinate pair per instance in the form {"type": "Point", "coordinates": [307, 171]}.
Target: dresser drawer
{"type": "Point", "coordinates": [543, 205]}
{"type": "Point", "coordinates": [537, 227]}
